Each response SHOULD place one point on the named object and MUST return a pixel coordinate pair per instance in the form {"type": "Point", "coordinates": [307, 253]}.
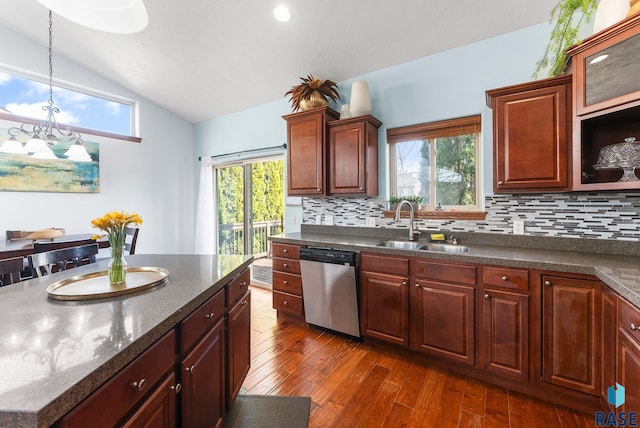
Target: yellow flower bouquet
{"type": "Point", "coordinates": [114, 224]}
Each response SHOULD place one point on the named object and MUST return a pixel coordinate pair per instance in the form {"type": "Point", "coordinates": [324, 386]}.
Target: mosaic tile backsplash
{"type": "Point", "coordinates": [588, 215]}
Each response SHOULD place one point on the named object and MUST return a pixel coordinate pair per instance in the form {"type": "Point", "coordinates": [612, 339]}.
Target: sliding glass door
{"type": "Point", "coordinates": [250, 205]}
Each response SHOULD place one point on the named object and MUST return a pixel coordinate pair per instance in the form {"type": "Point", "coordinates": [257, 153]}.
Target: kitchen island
{"type": "Point", "coordinates": [55, 354]}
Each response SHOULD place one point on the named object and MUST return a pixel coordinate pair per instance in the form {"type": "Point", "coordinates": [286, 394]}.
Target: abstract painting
{"type": "Point", "coordinates": [26, 173]}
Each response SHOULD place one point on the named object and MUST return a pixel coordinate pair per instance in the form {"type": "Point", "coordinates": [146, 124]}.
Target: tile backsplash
{"type": "Point", "coordinates": [589, 215]}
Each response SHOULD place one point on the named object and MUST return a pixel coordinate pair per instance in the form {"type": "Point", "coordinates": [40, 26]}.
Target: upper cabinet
{"type": "Point", "coordinates": [532, 136]}
{"type": "Point", "coordinates": [607, 108]}
{"type": "Point", "coordinates": [353, 156]}
{"type": "Point", "coordinates": [327, 156]}
{"type": "Point", "coordinates": [306, 137]}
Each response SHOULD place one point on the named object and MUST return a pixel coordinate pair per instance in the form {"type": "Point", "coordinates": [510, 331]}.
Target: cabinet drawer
{"type": "Point", "coordinates": [286, 265]}
{"type": "Point", "coordinates": [384, 264]}
{"type": "Point", "coordinates": [238, 286]}
{"type": "Point", "coordinates": [288, 303]}
{"type": "Point", "coordinates": [196, 324]}
{"type": "Point", "coordinates": [285, 251]}
{"type": "Point", "coordinates": [505, 277]}
{"type": "Point", "coordinates": [113, 400]}
{"type": "Point", "coordinates": [448, 272]}
{"type": "Point", "coordinates": [287, 283]}
{"type": "Point", "coordinates": [627, 315]}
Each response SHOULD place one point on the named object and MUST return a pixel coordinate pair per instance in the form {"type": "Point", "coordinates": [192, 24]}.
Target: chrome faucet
{"type": "Point", "coordinates": [412, 231]}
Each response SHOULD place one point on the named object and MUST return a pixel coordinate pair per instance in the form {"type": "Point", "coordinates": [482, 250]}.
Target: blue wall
{"type": "Point", "coordinates": [445, 85]}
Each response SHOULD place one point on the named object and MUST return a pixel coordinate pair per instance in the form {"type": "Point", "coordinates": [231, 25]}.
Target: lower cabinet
{"type": "Point", "coordinates": [203, 381]}
{"type": "Point", "coordinates": [238, 340]}
{"type": "Point", "coordinates": [609, 328]}
{"type": "Point", "coordinates": [571, 338]}
{"type": "Point", "coordinates": [159, 410]}
{"type": "Point", "coordinates": [384, 297]}
{"type": "Point", "coordinates": [628, 367]}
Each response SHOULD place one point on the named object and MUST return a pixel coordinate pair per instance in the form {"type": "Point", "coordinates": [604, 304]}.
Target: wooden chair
{"type": "Point", "coordinates": [10, 270]}
{"type": "Point", "coordinates": [130, 245]}
{"type": "Point", "coordinates": [56, 260]}
{"type": "Point", "coordinates": [41, 247]}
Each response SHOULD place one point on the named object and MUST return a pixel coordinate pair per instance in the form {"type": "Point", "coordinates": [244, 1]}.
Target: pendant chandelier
{"type": "Point", "coordinates": [46, 133]}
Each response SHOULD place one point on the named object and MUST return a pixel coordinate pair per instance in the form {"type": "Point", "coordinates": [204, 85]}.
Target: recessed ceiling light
{"type": "Point", "coordinates": [282, 13]}
{"type": "Point", "coordinates": [598, 59]}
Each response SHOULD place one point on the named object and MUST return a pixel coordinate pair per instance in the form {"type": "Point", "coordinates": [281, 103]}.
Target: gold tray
{"type": "Point", "coordinates": [95, 285]}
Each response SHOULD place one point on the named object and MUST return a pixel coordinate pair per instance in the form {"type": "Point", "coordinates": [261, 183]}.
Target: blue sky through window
{"type": "Point", "coordinates": [25, 97]}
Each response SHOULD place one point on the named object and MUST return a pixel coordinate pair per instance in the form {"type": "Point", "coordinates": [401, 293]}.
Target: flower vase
{"type": "Point", "coordinates": [117, 267]}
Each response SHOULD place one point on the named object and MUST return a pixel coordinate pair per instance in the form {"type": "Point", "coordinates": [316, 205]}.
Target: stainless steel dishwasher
{"type": "Point", "coordinates": [329, 288]}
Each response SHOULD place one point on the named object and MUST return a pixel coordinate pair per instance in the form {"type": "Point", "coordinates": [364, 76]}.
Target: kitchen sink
{"type": "Point", "coordinates": [401, 245]}
{"type": "Point", "coordinates": [409, 245]}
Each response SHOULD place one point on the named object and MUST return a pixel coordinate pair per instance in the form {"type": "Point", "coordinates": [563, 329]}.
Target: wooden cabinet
{"type": "Point", "coordinates": [532, 136]}
{"type": "Point", "coordinates": [628, 367]}
{"type": "Point", "coordinates": [203, 380]}
{"type": "Point", "coordinates": [239, 345]}
{"type": "Point", "coordinates": [135, 387]}
{"type": "Point", "coordinates": [571, 333]}
{"type": "Point", "coordinates": [609, 327]}
{"type": "Point", "coordinates": [504, 322]}
{"type": "Point", "coordinates": [606, 102]}
{"type": "Point", "coordinates": [306, 151]}
{"type": "Point", "coordinates": [384, 297]}
{"type": "Point", "coordinates": [442, 303]}
{"type": "Point", "coordinates": [353, 156]}
{"type": "Point", "coordinates": [287, 282]}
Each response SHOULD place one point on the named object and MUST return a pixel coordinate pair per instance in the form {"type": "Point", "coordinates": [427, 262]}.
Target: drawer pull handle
{"type": "Point", "coordinates": [285, 282]}
{"type": "Point", "coordinates": [243, 283]}
{"type": "Point", "coordinates": [177, 388]}
{"type": "Point", "coordinates": [548, 283]}
{"type": "Point", "coordinates": [210, 315]}
{"type": "Point", "coordinates": [191, 369]}
{"type": "Point", "coordinates": [285, 251]}
{"type": "Point", "coordinates": [487, 296]}
{"type": "Point", "coordinates": [244, 302]}
{"type": "Point", "coordinates": [417, 285]}
{"type": "Point", "coordinates": [500, 182]}
{"type": "Point", "coordinates": [319, 189]}
{"type": "Point", "coordinates": [285, 303]}
{"type": "Point", "coordinates": [139, 384]}
{"type": "Point", "coordinates": [634, 327]}
{"type": "Point", "coordinates": [285, 265]}
{"type": "Point", "coordinates": [404, 283]}
{"type": "Point", "coordinates": [505, 278]}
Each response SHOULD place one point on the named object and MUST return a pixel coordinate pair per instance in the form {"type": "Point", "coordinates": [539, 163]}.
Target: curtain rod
{"type": "Point", "coordinates": [283, 146]}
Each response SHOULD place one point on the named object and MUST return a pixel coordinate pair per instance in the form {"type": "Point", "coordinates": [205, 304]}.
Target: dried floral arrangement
{"type": "Point", "coordinates": [311, 92]}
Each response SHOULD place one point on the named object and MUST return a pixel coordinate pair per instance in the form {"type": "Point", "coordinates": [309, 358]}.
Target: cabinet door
{"type": "Point", "coordinates": [203, 381]}
{"type": "Point", "coordinates": [609, 326]}
{"type": "Point", "coordinates": [159, 410]}
{"type": "Point", "coordinates": [571, 333]}
{"type": "Point", "coordinates": [629, 370]}
{"type": "Point", "coordinates": [347, 159]}
{"type": "Point", "coordinates": [239, 346]}
{"type": "Point", "coordinates": [306, 154]}
{"type": "Point", "coordinates": [385, 307]}
{"type": "Point", "coordinates": [444, 322]}
{"type": "Point", "coordinates": [505, 328]}
{"type": "Point", "coordinates": [532, 134]}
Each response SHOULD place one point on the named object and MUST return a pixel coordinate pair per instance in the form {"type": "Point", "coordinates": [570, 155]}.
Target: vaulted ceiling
{"type": "Point", "coordinates": [205, 58]}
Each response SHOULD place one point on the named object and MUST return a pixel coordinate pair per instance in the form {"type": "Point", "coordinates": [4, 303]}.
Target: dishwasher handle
{"type": "Point", "coordinates": [323, 255]}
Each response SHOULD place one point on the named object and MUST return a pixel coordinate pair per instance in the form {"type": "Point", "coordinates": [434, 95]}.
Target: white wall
{"type": "Point", "coordinates": [154, 178]}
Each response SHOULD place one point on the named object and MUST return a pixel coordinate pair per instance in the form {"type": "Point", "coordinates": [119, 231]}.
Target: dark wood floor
{"type": "Point", "coordinates": [352, 384]}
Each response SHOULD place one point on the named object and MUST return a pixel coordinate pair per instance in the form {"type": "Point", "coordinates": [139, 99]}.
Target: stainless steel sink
{"type": "Point", "coordinates": [445, 248]}
{"type": "Point", "coordinates": [409, 245]}
{"type": "Point", "coordinates": [401, 245]}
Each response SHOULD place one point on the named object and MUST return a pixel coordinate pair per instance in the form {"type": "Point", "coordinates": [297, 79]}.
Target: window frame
{"type": "Point", "coordinates": [134, 105]}
{"type": "Point", "coordinates": [431, 131]}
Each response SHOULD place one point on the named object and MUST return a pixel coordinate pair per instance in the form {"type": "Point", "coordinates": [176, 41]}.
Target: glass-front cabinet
{"type": "Point", "coordinates": [606, 128]}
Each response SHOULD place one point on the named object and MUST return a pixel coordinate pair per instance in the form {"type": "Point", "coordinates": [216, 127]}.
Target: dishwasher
{"type": "Point", "coordinates": [330, 290]}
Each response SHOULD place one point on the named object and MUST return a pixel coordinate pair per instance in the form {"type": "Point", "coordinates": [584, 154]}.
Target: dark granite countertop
{"type": "Point", "coordinates": [53, 354]}
{"type": "Point", "coordinates": [614, 263]}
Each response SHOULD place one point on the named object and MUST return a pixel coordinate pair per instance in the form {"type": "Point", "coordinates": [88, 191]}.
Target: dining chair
{"type": "Point", "coordinates": [41, 247]}
{"type": "Point", "coordinates": [57, 260]}
{"type": "Point", "coordinates": [130, 244]}
{"type": "Point", "coordinates": [10, 270]}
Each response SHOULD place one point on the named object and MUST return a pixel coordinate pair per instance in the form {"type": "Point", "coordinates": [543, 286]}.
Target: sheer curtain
{"type": "Point", "coordinates": [205, 226]}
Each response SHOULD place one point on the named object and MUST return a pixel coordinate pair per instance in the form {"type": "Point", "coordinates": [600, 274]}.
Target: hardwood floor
{"type": "Point", "coordinates": [352, 384]}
